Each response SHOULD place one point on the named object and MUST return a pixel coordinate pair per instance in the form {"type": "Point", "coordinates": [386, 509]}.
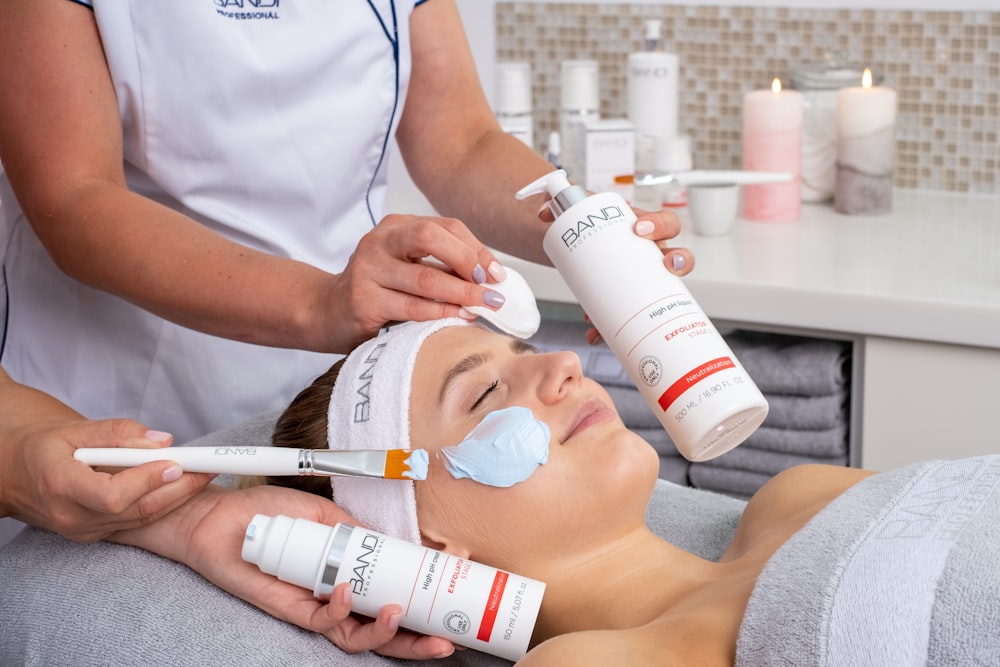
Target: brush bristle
{"type": "Point", "coordinates": [396, 466]}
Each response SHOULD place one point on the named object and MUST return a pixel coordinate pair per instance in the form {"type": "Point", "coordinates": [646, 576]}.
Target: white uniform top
{"type": "Point", "coordinates": [268, 121]}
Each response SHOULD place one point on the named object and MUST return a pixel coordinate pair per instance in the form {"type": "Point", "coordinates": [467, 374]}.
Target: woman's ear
{"type": "Point", "coordinates": [431, 539]}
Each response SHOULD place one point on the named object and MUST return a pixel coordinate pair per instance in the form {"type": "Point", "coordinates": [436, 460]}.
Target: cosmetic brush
{"type": "Point", "coordinates": [706, 177]}
{"type": "Point", "coordinates": [273, 461]}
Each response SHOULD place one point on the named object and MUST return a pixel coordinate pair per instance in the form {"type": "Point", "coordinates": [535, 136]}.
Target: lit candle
{"type": "Point", "coordinates": [866, 146]}
{"type": "Point", "coordinates": [772, 141]}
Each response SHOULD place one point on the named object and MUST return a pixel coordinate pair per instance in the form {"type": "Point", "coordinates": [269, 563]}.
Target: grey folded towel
{"type": "Point", "coordinates": [810, 413]}
{"type": "Point", "coordinates": [747, 457]}
{"type": "Point", "coordinates": [816, 445]}
{"type": "Point", "coordinates": [781, 364]}
{"type": "Point", "coordinates": [829, 443]}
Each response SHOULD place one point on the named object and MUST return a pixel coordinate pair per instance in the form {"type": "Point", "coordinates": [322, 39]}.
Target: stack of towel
{"type": "Point", "coordinates": [805, 380]}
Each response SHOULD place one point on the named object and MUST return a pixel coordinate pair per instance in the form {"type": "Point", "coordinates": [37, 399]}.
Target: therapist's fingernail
{"type": "Point", "coordinates": [172, 474]}
{"type": "Point", "coordinates": [466, 315]}
{"type": "Point", "coordinates": [497, 272]}
{"type": "Point", "coordinates": [394, 621]}
{"type": "Point", "coordinates": [157, 436]}
{"type": "Point", "coordinates": [493, 299]}
{"type": "Point", "coordinates": [644, 227]}
{"type": "Point", "coordinates": [678, 262]}
{"type": "Point", "coordinates": [479, 274]}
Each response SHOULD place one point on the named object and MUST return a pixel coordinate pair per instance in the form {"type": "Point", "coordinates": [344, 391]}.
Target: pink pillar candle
{"type": "Point", "coordinates": [772, 141]}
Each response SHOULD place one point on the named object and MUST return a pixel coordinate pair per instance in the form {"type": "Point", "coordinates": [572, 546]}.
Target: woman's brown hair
{"type": "Point", "coordinates": [303, 425]}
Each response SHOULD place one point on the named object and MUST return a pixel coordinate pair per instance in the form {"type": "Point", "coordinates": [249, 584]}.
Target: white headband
{"type": "Point", "coordinates": [370, 409]}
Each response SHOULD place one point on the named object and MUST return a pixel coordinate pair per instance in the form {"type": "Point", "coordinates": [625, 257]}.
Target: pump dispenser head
{"type": "Point", "coordinates": [654, 40]}
{"type": "Point", "coordinates": [557, 185]}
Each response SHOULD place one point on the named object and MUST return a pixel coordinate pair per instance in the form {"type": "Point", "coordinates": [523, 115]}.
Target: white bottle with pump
{"type": "Point", "coordinates": [652, 100]}
{"type": "Point", "coordinates": [466, 602]}
{"type": "Point", "coordinates": [680, 363]}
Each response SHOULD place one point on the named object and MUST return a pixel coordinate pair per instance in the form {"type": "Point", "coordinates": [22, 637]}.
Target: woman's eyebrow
{"type": "Point", "coordinates": [471, 362]}
{"type": "Point", "coordinates": [477, 359]}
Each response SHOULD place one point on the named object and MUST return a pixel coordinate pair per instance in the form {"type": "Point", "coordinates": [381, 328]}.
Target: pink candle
{"type": "Point", "coordinates": [772, 141]}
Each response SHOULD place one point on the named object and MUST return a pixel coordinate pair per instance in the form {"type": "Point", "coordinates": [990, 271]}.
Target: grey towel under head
{"type": "Point", "coordinates": [800, 413]}
{"type": "Point", "coordinates": [899, 570]}
{"type": "Point", "coordinates": [65, 603]}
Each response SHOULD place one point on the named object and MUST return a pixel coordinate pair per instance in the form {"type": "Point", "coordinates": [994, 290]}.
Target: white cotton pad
{"type": "Point", "coordinates": [519, 315]}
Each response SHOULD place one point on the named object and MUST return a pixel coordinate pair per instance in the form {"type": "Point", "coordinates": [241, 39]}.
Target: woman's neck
{"type": "Point", "coordinates": [623, 584]}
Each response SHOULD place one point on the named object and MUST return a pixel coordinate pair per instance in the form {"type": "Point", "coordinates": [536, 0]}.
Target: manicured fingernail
{"type": "Point", "coordinates": [445, 653]}
{"type": "Point", "coordinates": [497, 272]}
{"type": "Point", "coordinates": [345, 595]}
{"type": "Point", "coordinates": [157, 436]}
{"type": "Point", "coordinates": [466, 315]}
{"type": "Point", "coordinates": [644, 227]}
{"type": "Point", "coordinates": [677, 261]}
{"type": "Point", "coordinates": [173, 473]}
{"type": "Point", "coordinates": [493, 299]}
{"type": "Point", "coordinates": [479, 274]}
{"type": "Point", "coordinates": [394, 621]}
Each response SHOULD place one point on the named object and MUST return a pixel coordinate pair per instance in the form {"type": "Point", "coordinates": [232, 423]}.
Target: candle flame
{"type": "Point", "coordinates": [776, 85]}
{"type": "Point", "coordinates": [866, 79]}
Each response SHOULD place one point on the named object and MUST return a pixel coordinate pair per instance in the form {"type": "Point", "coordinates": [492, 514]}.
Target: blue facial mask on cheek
{"type": "Point", "coordinates": [505, 448]}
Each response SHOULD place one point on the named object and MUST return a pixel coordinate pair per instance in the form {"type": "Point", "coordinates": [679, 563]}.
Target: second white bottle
{"type": "Point", "coordinates": [681, 365]}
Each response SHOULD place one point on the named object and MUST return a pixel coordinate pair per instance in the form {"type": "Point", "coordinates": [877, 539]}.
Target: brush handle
{"type": "Point", "coordinates": [230, 460]}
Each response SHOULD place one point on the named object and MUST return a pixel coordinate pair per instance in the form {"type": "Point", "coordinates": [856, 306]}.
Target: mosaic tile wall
{"type": "Point", "coordinates": [944, 65]}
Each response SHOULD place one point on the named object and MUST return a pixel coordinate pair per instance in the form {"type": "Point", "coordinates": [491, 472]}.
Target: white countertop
{"type": "Point", "coordinates": [929, 271]}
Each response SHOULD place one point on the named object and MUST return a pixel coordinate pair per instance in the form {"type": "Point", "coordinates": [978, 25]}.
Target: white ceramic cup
{"type": "Point", "coordinates": [713, 207]}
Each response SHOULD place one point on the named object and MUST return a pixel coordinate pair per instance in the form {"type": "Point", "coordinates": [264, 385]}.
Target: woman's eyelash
{"type": "Point", "coordinates": [496, 383]}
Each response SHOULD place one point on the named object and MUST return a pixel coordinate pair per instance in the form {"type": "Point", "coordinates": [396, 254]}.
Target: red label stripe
{"type": "Point", "coordinates": [492, 606]}
{"type": "Point", "coordinates": [692, 378]}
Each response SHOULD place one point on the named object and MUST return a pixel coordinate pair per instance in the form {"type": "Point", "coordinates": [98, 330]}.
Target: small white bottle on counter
{"type": "Point", "coordinates": [513, 107]}
{"type": "Point", "coordinates": [681, 365]}
{"type": "Point", "coordinates": [580, 104]}
{"type": "Point", "coordinates": [652, 101]}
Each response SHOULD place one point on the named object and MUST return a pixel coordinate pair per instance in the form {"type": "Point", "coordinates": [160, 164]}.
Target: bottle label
{"type": "Point", "coordinates": [441, 594]}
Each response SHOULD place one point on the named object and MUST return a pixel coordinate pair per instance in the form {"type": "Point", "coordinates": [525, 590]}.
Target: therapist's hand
{"type": "Point", "coordinates": [43, 485]}
{"type": "Point", "coordinates": [206, 534]}
{"type": "Point", "coordinates": [386, 280]}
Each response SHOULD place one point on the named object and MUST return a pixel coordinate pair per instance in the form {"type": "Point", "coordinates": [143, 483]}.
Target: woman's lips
{"type": "Point", "coordinates": [590, 413]}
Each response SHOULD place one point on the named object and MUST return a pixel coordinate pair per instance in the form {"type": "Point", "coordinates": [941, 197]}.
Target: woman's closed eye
{"type": "Point", "coordinates": [485, 395]}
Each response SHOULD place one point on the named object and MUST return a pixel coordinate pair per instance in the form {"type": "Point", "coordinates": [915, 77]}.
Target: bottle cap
{"type": "Point", "coordinates": [513, 88]}
{"type": "Point", "coordinates": [579, 85]}
{"type": "Point", "coordinates": [294, 550]}
{"type": "Point", "coordinates": [654, 38]}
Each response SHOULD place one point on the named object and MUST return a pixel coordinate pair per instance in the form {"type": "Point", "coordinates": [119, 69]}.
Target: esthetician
{"type": "Point", "coordinates": [194, 194]}
{"type": "Point", "coordinates": [199, 218]}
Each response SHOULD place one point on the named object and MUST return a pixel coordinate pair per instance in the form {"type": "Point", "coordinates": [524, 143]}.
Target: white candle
{"type": "Point", "coordinates": [772, 141]}
{"type": "Point", "coordinates": [866, 147]}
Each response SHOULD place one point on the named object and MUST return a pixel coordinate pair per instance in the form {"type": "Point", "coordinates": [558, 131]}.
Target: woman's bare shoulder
{"type": "Point", "coordinates": [636, 647]}
{"type": "Point", "coordinates": [788, 500]}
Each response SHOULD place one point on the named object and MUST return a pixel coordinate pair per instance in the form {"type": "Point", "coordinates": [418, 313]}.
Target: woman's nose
{"type": "Point", "coordinates": [560, 371]}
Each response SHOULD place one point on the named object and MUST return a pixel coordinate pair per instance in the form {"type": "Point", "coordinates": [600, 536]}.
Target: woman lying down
{"type": "Point", "coordinates": [828, 565]}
